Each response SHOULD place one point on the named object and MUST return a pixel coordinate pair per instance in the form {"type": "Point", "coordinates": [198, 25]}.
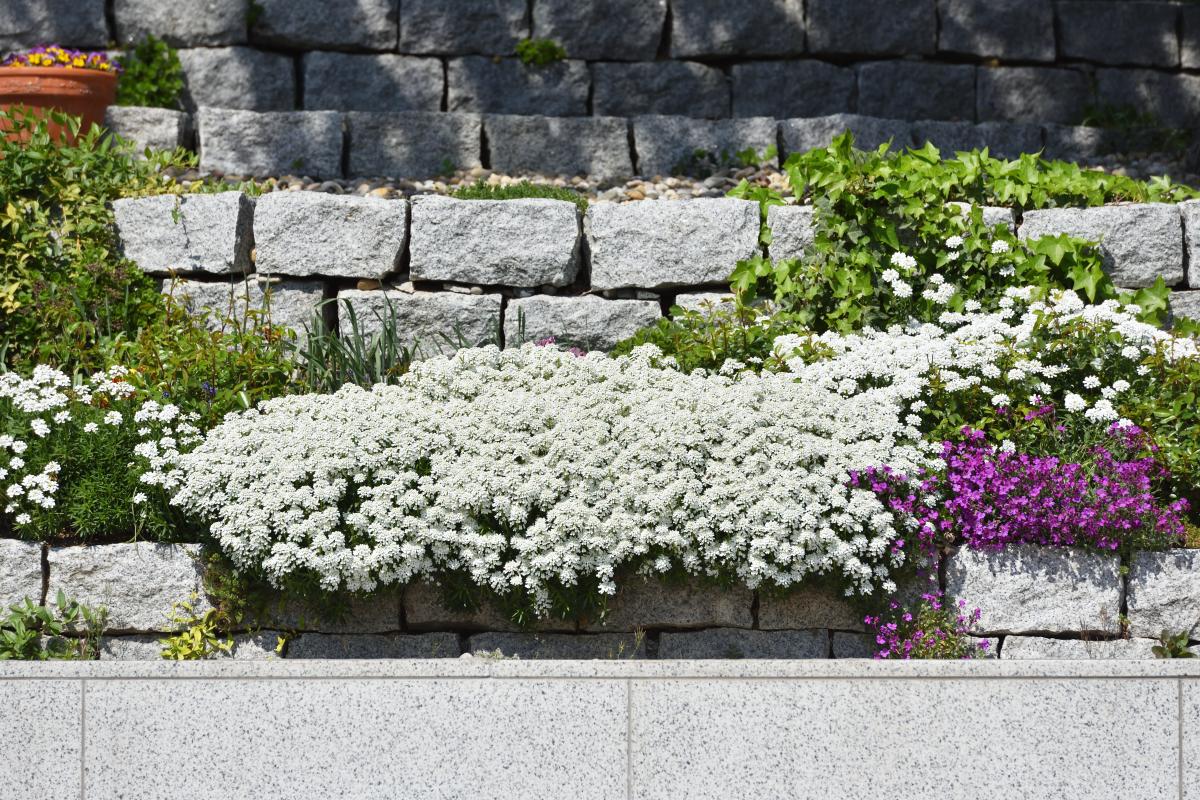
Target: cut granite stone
{"type": "Point", "coordinates": [137, 583]}
{"type": "Point", "coordinates": [1190, 213]}
{"type": "Point", "coordinates": [1172, 99]}
{"type": "Point", "coordinates": [806, 607]}
{"type": "Point", "coordinates": [1119, 32]}
{"type": "Point", "coordinates": [791, 231]}
{"type": "Point", "coordinates": [595, 146]}
{"type": "Point", "coordinates": [558, 646]}
{"type": "Point", "coordinates": [1164, 593]}
{"type": "Point", "coordinates": [659, 87]}
{"type": "Point", "coordinates": [20, 573]}
{"type": "Point", "coordinates": [738, 643]}
{"type": "Point", "coordinates": [507, 86]}
{"type": "Point", "coordinates": [395, 645]}
{"type": "Point", "coordinates": [237, 77]}
{"type": "Point", "coordinates": [654, 603]}
{"type": "Point", "coordinates": [425, 609]}
{"type": "Point", "coordinates": [1185, 305]}
{"type": "Point", "coordinates": [589, 323]}
{"type": "Point", "coordinates": [718, 29]}
{"type": "Point", "coordinates": [1033, 94]}
{"type": "Point", "coordinates": [1189, 36]}
{"type": "Point", "coordinates": [704, 301]}
{"type": "Point", "coordinates": [1014, 30]}
{"type": "Point", "coordinates": [617, 30]}
{"type": "Point", "coordinates": [341, 236]}
{"type": "Point", "coordinates": [854, 645]}
{"type": "Point", "coordinates": [1034, 647]}
{"type": "Point", "coordinates": [872, 27]}
{"type": "Point", "coordinates": [916, 90]}
{"type": "Point", "coordinates": [791, 89]}
{"type": "Point", "coordinates": [1139, 242]}
{"type": "Point", "coordinates": [156, 128]}
{"type": "Point", "coordinates": [374, 82]}
{"type": "Point", "coordinates": [527, 242]}
{"type": "Point", "coordinates": [455, 27]}
{"type": "Point", "coordinates": [283, 143]}
{"type": "Point", "coordinates": [802, 135]}
{"type": "Point", "coordinates": [1031, 589]}
{"type": "Point", "coordinates": [992, 215]}
{"type": "Point", "coordinates": [672, 145]}
{"type": "Point", "coordinates": [412, 144]}
{"type": "Point", "coordinates": [182, 23]}
{"type": "Point", "coordinates": [669, 243]}
{"type": "Point", "coordinates": [72, 23]}
{"type": "Point", "coordinates": [1079, 142]}
{"type": "Point", "coordinates": [426, 319]}
{"type": "Point", "coordinates": [342, 613]}
{"type": "Point", "coordinates": [1003, 139]}
{"type": "Point", "coordinates": [320, 24]}
{"type": "Point", "coordinates": [190, 233]}
{"type": "Point", "coordinates": [291, 304]}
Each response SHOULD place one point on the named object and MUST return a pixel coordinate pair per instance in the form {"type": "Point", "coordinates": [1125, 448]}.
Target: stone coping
{"type": "Point", "coordinates": [731, 669]}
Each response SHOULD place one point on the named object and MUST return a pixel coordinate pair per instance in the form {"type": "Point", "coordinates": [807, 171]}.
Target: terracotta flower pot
{"type": "Point", "coordinates": [84, 93]}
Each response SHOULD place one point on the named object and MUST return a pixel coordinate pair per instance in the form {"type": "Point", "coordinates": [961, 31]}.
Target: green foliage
{"type": "Point", "coordinates": [227, 361]}
{"type": "Point", "coordinates": [64, 287]}
{"type": "Point", "coordinates": [329, 362]}
{"type": "Point", "coordinates": [198, 636]}
{"type": "Point", "coordinates": [1142, 130]}
{"type": "Point", "coordinates": [517, 191]}
{"type": "Point", "coordinates": [65, 631]}
{"type": "Point", "coordinates": [254, 12]}
{"type": "Point", "coordinates": [1172, 645]}
{"type": "Point", "coordinates": [869, 206]}
{"type": "Point", "coordinates": [152, 75]}
{"type": "Point", "coordinates": [708, 337]}
{"type": "Point", "coordinates": [540, 52]}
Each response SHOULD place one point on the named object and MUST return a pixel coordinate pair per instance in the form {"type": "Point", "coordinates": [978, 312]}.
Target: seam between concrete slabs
{"type": "Point", "coordinates": [82, 738]}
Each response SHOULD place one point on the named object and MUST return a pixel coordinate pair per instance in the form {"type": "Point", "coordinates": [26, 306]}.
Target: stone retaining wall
{"type": "Point", "coordinates": [512, 271]}
{"type": "Point", "coordinates": [1035, 61]}
{"type": "Point", "coordinates": [423, 144]}
{"type": "Point", "coordinates": [1036, 603]}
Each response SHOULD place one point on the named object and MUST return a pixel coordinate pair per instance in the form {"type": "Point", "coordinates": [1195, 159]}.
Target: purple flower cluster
{"type": "Point", "coordinates": [53, 55]}
{"type": "Point", "coordinates": [990, 498]}
{"type": "Point", "coordinates": [550, 342]}
{"type": "Point", "coordinates": [934, 631]}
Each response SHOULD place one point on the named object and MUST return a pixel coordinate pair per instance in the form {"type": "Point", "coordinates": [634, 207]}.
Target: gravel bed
{"type": "Point", "coordinates": [718, 184]}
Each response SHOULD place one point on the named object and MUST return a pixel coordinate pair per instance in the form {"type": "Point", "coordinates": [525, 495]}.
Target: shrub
{"type": "Point", "coordinates": [152, 75]}
{"type": "Point", "coordinates": [533, 469]}
{"type": "Point", "coordinates": [540, 52]}
{"type": "Point", "coordinates": [330, 361]}
{"type": "Point", "coordinates": [517, 191]}
{"type": "Point", "coordinates": [65, 286]}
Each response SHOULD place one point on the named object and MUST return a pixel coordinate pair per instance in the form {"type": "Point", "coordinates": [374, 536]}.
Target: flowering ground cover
{"type": "Point", "coordinates": [919, 381]}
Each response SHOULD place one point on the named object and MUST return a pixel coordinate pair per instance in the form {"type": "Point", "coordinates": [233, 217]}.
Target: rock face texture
{"type": "Point", "coordinates": [253, 144]}
{"type": "Point", "coordinates": [434, 322]}
{"type": "Point", "coordinates": [137, 583]}
{"type": "Point", "coordinates": [596, 146]}
{"type": "Point", "coordinates": [679, 145]}
{"type": "Point", "coordinates": [20, 572]}
{"type": "Point", "coordinates": [197, 233]}
{"type": "Point", "coordinates": [530, 242]}
{"type": "Point", "coordinates": [589, 323]}
{"type": "Point", "coordinates": [310, 233]}
{"type": "Point", "coordinates": [650, 245]}
{"type": "Point", "coordinates": [1029, 589]}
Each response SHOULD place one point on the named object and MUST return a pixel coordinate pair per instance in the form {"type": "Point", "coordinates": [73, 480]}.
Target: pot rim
{"type": "Point", "coordinates": [67, 73]}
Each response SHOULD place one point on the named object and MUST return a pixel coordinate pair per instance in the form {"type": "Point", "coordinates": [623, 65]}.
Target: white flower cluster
{"type": "Point", "coordinates": [969, 350]}
{"type": "Point", "coordinates": [530, 467]}
{"type": "Point", "coordinates": [47, 403]}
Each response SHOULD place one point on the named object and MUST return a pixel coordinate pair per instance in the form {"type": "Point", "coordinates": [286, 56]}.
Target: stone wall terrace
{"type": "Point", "coordinates": [511, 271]}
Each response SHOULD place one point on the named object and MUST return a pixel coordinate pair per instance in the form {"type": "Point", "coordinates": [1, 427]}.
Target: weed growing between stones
{"type": "Point", "coordinates": [519, 191]}
{"type": "Point", "coordinates": [63, 631]}
{"type": "Point", "coordinates": [540, 52]}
